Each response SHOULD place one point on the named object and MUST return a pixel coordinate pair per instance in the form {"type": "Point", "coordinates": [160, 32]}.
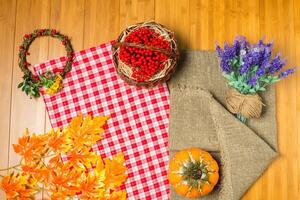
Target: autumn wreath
{"type": "Point", "coordinates": [31, 83]}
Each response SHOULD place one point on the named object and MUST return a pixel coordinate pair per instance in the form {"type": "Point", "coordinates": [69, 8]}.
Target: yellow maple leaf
{"type": "Point", "coordinates": [56, 141]}
{"type": "Point", "coordinates": [82, 134]}
{"type": "Point", "coordinates": [115, 171]}
{"type": "Point", "coordinates": [118, 195]}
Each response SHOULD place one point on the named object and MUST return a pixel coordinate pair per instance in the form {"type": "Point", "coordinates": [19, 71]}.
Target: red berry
{"type": "Point", "coordinates": [144, 62]}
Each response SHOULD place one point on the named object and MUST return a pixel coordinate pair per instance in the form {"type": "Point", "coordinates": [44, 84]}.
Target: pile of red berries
{"type": "Point", "coordinates": [144, 62]}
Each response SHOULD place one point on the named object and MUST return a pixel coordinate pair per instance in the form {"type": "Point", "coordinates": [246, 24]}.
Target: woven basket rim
{"type": "Point", "coordinates": [170, 65]}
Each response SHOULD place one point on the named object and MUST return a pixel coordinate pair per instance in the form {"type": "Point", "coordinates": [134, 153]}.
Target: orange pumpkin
{"type": "Point", "coordinates": [193, 172]}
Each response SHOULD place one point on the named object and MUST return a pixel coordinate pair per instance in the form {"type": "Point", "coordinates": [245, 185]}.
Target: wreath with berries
{"type": "Point", "coordinates": [51, 81]}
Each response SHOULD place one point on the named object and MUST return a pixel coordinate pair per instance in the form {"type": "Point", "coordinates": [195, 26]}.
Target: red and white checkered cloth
{"type": "Point", "coordinates": [139, 117]}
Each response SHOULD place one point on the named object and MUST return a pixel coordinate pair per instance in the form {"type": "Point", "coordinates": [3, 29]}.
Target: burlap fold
{"type": "Point", "coordinates": [198, 118]}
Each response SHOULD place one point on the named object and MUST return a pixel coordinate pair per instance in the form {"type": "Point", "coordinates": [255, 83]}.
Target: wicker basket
{"type": "Point", "coordinates": [161, 76]}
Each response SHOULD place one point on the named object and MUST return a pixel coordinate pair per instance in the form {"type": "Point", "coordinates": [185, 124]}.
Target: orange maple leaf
{"type": "Point", "coordinates": [63, 181]}
{"type": "Point", "coordinates": [82, 174]}
{"type": "Point", "coordinates": [118, 195]}
{"type": "Point", "coordinates": [31, 148]}
{"type": "Point", "coordinates": [81, 161]}
{"type": "Point", "coordinates": [92, 185]}
{"type": "Point", "coordinates": [56, 141]}
{"type": "Point", "coordinates": [19, 186]}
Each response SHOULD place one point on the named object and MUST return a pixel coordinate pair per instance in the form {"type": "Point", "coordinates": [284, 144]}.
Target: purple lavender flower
{"type": "Point", "coordinates": [276, 64]}
{"type": "Point", "coordinates": [260, 72]}
{"type": "Point", "coordinates": [287, 72]}
{"type": "Point", "coordinates": [265, 64]}
{"type": "Point", "coordinates": [256, 55]}
{"type": "Point", "coordinates": [219, 50]}
{"type": "Point", "coordinates": [225, 66]}
{"type": "Point", "coordinates": [252, 61]}
{"type": "Point", "coordinates": [252, 81]}
{"type": "Point", "coordinates": [261, 53]}
{"type": "Point", "coordinates": [229, 52]}
{"type": "Point", "coordinates": [247, 63]}
{"type": "Point", "coordinates": [268, 50]}
{"type": "Point", "coordinates": [226, 55]}
{"type": "Point", "coordinates": [266, 59]}
{"type": "Point", "coordinates": [236, 47]}
{"type": "Point", "coordinates": [242, 42]}
{"type": "Point", "coordinates": [263, 60]}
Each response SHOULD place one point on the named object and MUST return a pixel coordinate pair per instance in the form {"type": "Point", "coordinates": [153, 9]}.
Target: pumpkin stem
{"type": "Point", "coordinates": [194, 172]}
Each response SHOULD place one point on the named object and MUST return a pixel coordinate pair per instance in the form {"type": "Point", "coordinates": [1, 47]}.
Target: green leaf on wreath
{"type": "Point", "coordinates": [20, 85]}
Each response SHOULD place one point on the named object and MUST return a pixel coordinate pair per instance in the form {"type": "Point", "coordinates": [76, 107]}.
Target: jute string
{"type": "Point", "coordinates": [249, 106]}
{"type": "Point", "coordinates": [143, 46]}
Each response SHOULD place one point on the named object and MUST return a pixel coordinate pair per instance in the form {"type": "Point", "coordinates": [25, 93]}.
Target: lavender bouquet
{"type": "Point", "coordinates": [249, 69]}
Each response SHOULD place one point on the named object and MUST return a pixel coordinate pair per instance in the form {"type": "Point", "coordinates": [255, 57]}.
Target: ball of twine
{"type": "Point", "coordinates": [163, 75]}
{"type": "Point", "coordinates": [249, 106]}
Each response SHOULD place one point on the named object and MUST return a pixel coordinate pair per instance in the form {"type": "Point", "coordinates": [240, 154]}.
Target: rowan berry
{"type": "Point", "coordinates": [144, 62]}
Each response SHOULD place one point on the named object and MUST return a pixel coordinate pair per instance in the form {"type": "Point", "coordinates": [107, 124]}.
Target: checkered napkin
{"type": "Point", "coordinates": [139, 117]}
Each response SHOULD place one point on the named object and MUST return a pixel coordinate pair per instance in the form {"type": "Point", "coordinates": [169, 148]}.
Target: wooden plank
{"type": "Point", "coordinates": [25, 112]}
{"type": "Point", "coordinates": [269, 183]}
{"type": "Point", "coordinates": [206, 24]}
{"type": "Point", "coordinates": [67, 16]}
{"type": "Point", "coordinates": [101, 22]}
{"type": "Point", "coordinates": [7, 24]}
{"type": "Point", "coordinates": [286, 103]}
{"type": "Point", "coordinates": [248, 19]}
{"type": "Point", "coordinates": [135, 11]}
{"type": "Point", "coordinates": [176, 17]}
{"type": "Point", "coordinates": [231, 28]}
{"type": "Point", "coordinates": [297, 63]}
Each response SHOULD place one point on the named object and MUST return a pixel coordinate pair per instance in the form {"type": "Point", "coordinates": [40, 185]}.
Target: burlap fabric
{"type": "Point", "coordinates": [199, 118]}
